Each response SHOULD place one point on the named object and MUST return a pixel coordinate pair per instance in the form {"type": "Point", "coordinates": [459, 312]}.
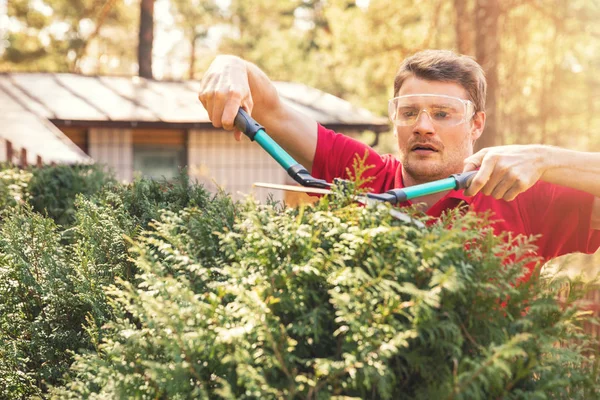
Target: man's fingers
{"type": "Point", "coordinates": [206, 94]}
{"type": "Point", "coordinates": [248, 104]}
{"type": "Point", "coordinates": [223, 90]}
{"type": "Point", "coordinates": [230, 111]}
{"type": "Point", "coordinates": [207, 103]}
{"type": "Point", "coordinates": [513, 192]}
{"type": "Point", "coordinates": [220, 100]}
{"type": "Point", "coordinates": [474, 161]}
{"type": "Point", "coordinates": [481, 178]}
{"type": "Point", "coordinates": [470, 166]}
{"type": "Point", "coordinates": [503, 174]}
{"type": "Point", "coordinates": [502, 187]}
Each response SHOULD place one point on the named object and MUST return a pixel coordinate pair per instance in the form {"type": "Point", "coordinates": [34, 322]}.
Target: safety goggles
{"type": "Point", "coordinates": [445, 111]}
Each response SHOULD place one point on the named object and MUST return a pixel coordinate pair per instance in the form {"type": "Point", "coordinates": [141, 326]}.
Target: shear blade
{"type": "Point", "coordinates": [292, 188]}
{"type": "Point", "coordinates": [399, 215]}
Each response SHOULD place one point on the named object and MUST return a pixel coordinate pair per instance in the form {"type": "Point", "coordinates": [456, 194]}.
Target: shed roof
{"type": "Point", "coordinates": [132, 101]}
{"type": "Point", "coordinates": [26, 129]}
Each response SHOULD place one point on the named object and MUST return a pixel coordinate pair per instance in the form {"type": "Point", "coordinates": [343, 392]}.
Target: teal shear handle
{"type": "Point", "coordinates": [454, 182]}
{"type": "Point", "coordinates": [256, 132]}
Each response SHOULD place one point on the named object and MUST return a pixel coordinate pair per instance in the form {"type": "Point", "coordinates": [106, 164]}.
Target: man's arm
{"type": "Point", "coordinates": [578, 170]}
{"type": "Point", "coordinates": [231, 83]}
{"type": "Point", "coordinates": [507, 171]}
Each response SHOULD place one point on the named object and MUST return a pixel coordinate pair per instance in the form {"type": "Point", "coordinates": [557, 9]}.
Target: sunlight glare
{"type": "Point", "coordinates": [362, 4]}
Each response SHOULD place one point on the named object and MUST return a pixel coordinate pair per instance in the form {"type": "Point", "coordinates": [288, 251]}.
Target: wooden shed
{"type": "Point", "coordinates": [151, 128]}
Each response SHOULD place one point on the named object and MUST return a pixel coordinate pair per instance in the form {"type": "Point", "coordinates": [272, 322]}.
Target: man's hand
{"type": "Point", "coordinates": [231, 83]}
{"type": "Point", "coordinates": [224, 89]}
{"type": "Point", "coordinates": [507, 171]}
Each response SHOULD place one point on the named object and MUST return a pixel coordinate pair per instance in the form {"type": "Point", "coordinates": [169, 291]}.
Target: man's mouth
{"type": "Point", "coordinates": [423, 148]}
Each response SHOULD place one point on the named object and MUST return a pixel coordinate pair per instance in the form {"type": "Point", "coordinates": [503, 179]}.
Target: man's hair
{"type": "Point", "coordinates": [445, 66]}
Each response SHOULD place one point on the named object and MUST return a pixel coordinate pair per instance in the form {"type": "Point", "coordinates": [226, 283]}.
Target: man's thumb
{"type": "Point", "coordinates": [237, 134]}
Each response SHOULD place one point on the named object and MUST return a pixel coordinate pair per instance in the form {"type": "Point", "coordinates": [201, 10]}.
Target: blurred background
{"type": "Point", "coordinates": [541, 59]}
{"type": "Point", "coordinates": [541, 56]}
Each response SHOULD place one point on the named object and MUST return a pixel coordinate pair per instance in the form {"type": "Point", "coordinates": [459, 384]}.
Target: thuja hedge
{"type": "Point", "coordinates": [59, 250]}
{"type": "Point", "coordinates": [159, 290]}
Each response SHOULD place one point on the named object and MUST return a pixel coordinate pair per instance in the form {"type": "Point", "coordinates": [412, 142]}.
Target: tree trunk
{"type": "Point", "coordinates": [487, 51]}
{"type": "Point", "coordinates": [192, 73]}
{"type": "Point", "coordinates": [108, 6]}
{"type": "Point", "coordinates": [146, 38]}
{"type": "Point", "coordinates": [547, 80]}
{"type": "Point", "coordinates": [463, 28]}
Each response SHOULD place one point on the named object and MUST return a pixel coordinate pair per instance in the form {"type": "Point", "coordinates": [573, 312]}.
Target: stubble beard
{"type": "Point", "coordinates": [423, 171]}
{"type": "Point", "coordinates": [440, 167]}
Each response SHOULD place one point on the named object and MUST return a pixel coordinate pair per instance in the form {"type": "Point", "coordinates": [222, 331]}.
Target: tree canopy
{"type": "Point", "coordinates": [540, 56]}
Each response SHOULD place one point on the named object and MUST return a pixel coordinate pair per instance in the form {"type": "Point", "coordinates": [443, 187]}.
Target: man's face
{"type": "Point", "coordinates": [428, 150]}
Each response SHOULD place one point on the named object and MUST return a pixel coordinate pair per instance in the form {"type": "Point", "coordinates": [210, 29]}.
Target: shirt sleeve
{"type": "Point", "coordinates": [336, 154]}
{"type": "Point", "coordinates": [562, 216]}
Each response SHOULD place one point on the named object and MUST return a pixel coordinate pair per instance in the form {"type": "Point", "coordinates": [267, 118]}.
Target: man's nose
{"type": "Point", "coordinates": [424, 124]}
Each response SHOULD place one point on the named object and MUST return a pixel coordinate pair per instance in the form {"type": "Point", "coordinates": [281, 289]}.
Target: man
{"type": "Point", "coordinates": [438, 111]}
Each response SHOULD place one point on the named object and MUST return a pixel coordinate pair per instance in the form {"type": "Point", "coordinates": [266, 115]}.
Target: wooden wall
{"type": "Point", "coordinates": [159, 137]}
{"type": "Point", "coordinates": [79, 136]}
{"type": "Point", "coordinates": [216, 159]}
{"type": "Point", "coordinates": [114, 149]}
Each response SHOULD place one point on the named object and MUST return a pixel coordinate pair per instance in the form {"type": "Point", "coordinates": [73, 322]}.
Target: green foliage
{"type": "Point", "coordinates": [145, 199]}
{"type": "Point", "coordinates": [161, 290]}
{"type": "Point", "coordinates": [53, 277]}
{"type": "Point", "coordinates": [13, 187]}
{"type": "Point", "coordinates": [53, 189]}
{"type": "Point", "coordinates": [54, 35]}
{"type": "Point", "coordinates": [41, 307]}
{"type": "Point", "coordinates": [49, 290]}
{"type": "Point", "coordinates": [548, 52]}
{"type": "Point", "coordinates": [547, 55]}
{"type": "Point", "coordinates": [333, 300]}
{"type": "Point", "coordinates": [195, 18]}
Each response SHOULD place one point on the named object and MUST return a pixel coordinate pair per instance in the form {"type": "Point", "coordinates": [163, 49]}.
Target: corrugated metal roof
{"type": "Point", "coordinates": [27, 129]}
{"type": "Point", "coordinates": [29, 101]}
{"type": "Point", "coordinates": [72, 97]}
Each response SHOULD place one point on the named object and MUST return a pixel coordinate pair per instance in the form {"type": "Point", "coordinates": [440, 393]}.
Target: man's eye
{"type": "Point", "coordinates": [441, 115]}
{"type": "Point", "coordinates": [408, 113]}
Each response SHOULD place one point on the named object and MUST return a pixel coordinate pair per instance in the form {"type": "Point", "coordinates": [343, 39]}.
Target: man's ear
{"type": "Point", "coordinates": [477, 125]}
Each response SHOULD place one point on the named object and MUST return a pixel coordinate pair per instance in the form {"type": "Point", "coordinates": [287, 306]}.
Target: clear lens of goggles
{"type": "Point", "coordinates": [443, 110]}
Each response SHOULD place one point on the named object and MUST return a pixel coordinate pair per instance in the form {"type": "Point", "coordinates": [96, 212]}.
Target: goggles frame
{"type": "Point", "coordinates": [467, 105]}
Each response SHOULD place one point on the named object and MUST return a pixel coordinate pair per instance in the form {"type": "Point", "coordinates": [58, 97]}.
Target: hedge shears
{"type": "Point", "coordinates": [256, 133]}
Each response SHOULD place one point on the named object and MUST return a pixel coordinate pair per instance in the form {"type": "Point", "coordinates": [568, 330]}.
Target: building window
{"type": "Point", "coordinates": [158, 162]}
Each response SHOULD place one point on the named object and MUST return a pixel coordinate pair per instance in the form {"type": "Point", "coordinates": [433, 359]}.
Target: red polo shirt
{"type": "Point", "coordinates": [561, 215]}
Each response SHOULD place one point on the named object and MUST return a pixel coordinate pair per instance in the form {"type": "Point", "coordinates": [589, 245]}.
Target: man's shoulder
{"type": "Point", "coordinates": [337, 154]}
{"type": "Point", "coordinates": [334, 147]}
{"type": "Point", "coordinates": [390, 159]}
